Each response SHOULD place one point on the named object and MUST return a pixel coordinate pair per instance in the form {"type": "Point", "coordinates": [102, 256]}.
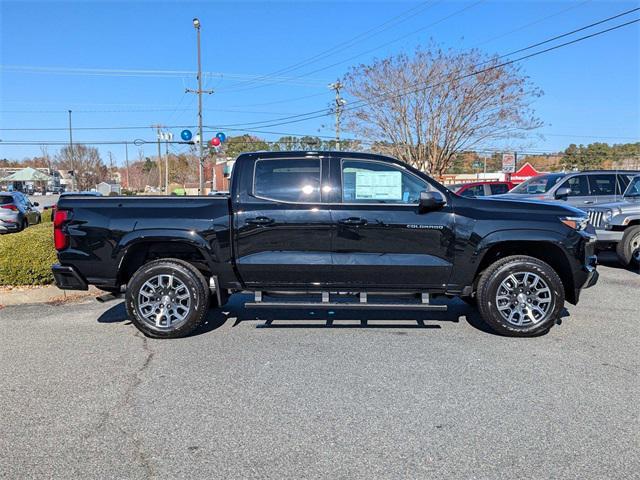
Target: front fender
{"type": "Point", "coordinates": [518, 235]}
{"type": "Point", "coordinates": [623, 219]}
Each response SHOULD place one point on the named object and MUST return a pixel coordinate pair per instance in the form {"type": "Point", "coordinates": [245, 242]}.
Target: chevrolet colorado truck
{"type": "Point", "coordinates": [326, 230]}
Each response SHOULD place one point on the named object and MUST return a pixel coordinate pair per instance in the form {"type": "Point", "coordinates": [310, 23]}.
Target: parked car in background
{"type": "Point", "coordinates": [17, 212]}
{"type": "Point", "coordinates": [579, 189]}
{"type": "Point", "coordinates": [481, 189]}
{"type": "Point", "coordinates": [618, 224]}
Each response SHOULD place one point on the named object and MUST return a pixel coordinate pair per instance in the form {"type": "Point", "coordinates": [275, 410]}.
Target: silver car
{"type": "Point", "coordinates": [579, 189]}
{"type": "Point", "coordinates": [17, 212]}
{"type": "Point", "coordinates": [618, 224]}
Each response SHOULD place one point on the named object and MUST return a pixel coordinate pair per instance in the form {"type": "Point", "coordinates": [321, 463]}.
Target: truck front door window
{"type": "Point", "coordinates": [578, 186]}
{"type": "Point", "coordinates": [373, 182]}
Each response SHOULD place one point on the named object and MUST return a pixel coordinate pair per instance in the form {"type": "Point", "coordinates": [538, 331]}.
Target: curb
{"type": "Point", "coordinates": [49, 295]}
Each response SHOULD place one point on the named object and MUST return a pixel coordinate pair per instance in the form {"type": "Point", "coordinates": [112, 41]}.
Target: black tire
{"type": "Point", "coordinates": [23, 224]}
{"type": "Point", "coordinates": [492, 280]}
{"type": "Point", "coordinates": [629, 247]}
{"type": "Point", "coordinates": [194, 288]}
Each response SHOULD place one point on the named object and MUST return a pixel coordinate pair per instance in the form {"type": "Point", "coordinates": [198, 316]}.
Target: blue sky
{"type": "Point", "coordinates": [127, 63]}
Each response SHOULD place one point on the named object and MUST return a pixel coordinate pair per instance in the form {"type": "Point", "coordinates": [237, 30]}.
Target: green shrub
{"type": "Point", "coordinates": [46, 215]}
{"type": "Point", "coordinates": [26, 257]}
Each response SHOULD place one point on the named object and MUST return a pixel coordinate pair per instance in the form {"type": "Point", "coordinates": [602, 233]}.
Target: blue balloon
{"type": "Point", "coordinates": [221, 136]}
{"type": "Point", "coordinates": [186, 135]}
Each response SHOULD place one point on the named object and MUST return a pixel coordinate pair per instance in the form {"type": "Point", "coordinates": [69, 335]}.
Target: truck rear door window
{"type": "Point", "coordinates": [288, 180]}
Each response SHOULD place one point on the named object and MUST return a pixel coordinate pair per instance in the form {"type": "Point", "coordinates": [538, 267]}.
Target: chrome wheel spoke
{"type": "Point", "coordinates": [164, 302]}
{"type": "Point", "coordinates": [523, 298]}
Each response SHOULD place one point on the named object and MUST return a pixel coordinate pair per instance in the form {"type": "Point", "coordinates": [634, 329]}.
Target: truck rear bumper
{"type": "Point", "coordinates": [67, 278]}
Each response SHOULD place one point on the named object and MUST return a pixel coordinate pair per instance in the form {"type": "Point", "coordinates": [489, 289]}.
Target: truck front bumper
{"type": "Point", "coordinates": [67, 278]}
{"type": "Point", "coordinates": [608, 236]}
{"type": "Point", "coordinates": [586, 274]}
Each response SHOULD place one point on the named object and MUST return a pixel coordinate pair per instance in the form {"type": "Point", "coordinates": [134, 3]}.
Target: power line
{"type": "Point", "coordinates": [323, 112]}
{"type": "Point", "coordinates": [103, 72]}
{"type": "Point", "coordinates": [361, 103]}
{"type": "Point", "coordinates": [346, 44]}
{"type": "Point", "coordinates": [361, 141]}
{"type": "Point", "coordinates": [457, 12]}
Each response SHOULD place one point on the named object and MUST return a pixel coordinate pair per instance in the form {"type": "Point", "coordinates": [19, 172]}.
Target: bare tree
{"type": "Point", "coordinates": [426, 108]}
{"type": "Point", "coordinates": [87, 165]}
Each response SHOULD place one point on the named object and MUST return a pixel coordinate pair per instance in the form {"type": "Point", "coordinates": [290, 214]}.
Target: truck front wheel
{"type": "Point", "coordinates": [520, 296]}
{"type": "Point", "coordinates": [167, 298]}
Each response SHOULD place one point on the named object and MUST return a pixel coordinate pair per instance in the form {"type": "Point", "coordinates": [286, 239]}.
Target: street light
{"type": "Point", "coordinates": [196, 24]}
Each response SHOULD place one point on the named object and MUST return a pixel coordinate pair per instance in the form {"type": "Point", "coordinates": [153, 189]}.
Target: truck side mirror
{"type": "Point", "coordinates": [562, 193]}
{"type": "Point", "coordinates": [430, 201]}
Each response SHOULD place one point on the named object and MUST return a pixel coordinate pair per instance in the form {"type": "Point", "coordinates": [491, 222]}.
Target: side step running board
{"type": "Point", "coordinates": [361, 302]}
{"type": "Point", "coordinates": [347, 305]}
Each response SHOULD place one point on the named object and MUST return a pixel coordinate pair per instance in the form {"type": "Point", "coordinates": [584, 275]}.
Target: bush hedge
{"type": "Point", "coordinates": [26, 257]}
{"type": "Point", "coordinates": [46, 215]}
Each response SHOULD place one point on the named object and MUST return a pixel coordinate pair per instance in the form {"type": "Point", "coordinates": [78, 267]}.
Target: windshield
{"type": "Point", "coordinates": [536, 185]}
{"type": "Point", "coordinates": [633, 190]}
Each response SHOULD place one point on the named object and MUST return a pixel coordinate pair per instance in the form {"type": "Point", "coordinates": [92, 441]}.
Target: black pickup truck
{"type": "Point", "coordinates": [326, 230]}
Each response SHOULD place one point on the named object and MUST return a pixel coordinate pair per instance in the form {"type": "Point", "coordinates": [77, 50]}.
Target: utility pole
{"type": "Point", "coordinates": [196, 25]}
{"type": "Point", "coordinates": [340, 102]}
{"type": "Point", "coordinates": [167, 137]}
{"type": "Point", "coordinates": [110, 167]}
{"type": "Point", "coordinates": [126, 161]}
{"type": "Point", "coordinates": [73, 174]}
{"type": "Point", "coordinates": [159, 136]}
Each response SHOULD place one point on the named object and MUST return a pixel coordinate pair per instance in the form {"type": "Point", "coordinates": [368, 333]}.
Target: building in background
{"type": "Point", "coordinates": [108, 188]}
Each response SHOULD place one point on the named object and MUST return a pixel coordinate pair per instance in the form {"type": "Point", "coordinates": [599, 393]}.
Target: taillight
{"type": "Point", "coordinates": [10, 207]}
{"type": "Point", "coordinates": [60, 239]}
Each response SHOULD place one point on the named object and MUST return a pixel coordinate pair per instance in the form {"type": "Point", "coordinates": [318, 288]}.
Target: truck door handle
{"type": "Point", "coordinates": [588, 202]}
{"type": "Point", "coordinates": [352, 221]}
{"type": "Point", "coordinates": [260, 221]}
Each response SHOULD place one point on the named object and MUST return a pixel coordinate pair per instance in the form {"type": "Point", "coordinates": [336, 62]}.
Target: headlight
{"type": "Point", "coordinates": [608, 215]}
{"type": "Point", "coordinates": [577, 223]}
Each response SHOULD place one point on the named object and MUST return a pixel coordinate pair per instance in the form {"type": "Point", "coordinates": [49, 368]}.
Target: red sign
{"type": "Point", "coordinates": [525, 172]}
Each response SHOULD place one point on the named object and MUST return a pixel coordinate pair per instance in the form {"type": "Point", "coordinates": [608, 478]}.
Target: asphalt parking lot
{"type": "Point", "coordinates": [83, 395]}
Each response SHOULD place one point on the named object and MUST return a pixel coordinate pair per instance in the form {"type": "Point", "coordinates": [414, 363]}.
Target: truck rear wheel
{"type": "Point", "coordinates": [167, 298]}
{"type": "Point", "coordinates": [520, 296]}
{"type": "Point", "coordinates": [628, 248]}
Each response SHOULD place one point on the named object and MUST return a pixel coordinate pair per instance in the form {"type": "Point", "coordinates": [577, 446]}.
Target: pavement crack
{"type": "Point", "coordinates": [141, 456]}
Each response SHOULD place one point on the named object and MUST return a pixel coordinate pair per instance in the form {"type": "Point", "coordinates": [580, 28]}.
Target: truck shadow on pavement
{"type": "Point", "coordinates": [608, 258]}
{"type": "Point", "coordinates": [235, 311]}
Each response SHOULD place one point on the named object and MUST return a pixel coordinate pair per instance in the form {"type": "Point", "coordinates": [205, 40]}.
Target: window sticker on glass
{"type": "Point", "coordinates": [371, 185]}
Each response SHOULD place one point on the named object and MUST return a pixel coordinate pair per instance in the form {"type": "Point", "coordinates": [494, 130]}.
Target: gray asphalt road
{"type": "Point", "coordinates": [82, 395]}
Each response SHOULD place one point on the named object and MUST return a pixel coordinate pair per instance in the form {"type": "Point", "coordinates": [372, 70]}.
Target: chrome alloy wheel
{"type": "Point", "coordinates": [524, 298]}
{"type": "Point", "coordinates": [164, 302]}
